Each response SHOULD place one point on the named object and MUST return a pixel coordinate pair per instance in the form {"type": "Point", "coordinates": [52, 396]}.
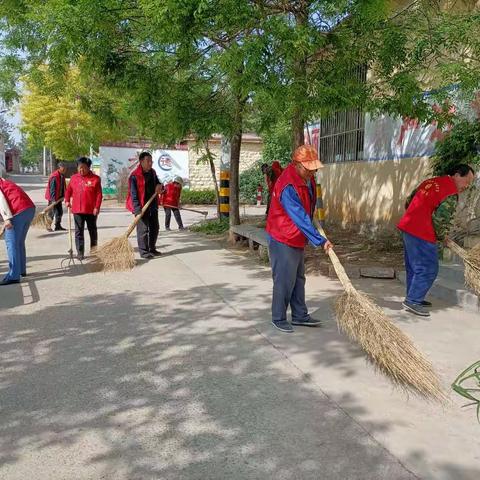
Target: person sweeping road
{"type": "Point", "coordinates": [430, 211]}
{"type": "Point", "coordinates": [142, 184]}
{"type": "Point", "coordinates": [290, 226]}
{"type": "Point", "coordinates": [17, 211]}
{"type": "Point", "coordinates": [84, 196]}
{"type": "Point", "coordinates": [55, 190]}
{"type": "Point", "coordinates": [170, 200]}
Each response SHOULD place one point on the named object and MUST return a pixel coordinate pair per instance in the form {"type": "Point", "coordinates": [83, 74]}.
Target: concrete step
{"type": "Point", "coordinates": [451, 291]}
{"type": "Point", "coordinates": [452, 271]}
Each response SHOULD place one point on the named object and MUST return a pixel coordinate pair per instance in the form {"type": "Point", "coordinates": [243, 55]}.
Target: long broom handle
{"type": "Point", "coordinates": [50, 207]}
{"type": "Point", "coordinates": [338, 267]}
{"type": "Point", "coordinates": [140, 215]}
{"type": "Point", "coordinates": [202, 212]}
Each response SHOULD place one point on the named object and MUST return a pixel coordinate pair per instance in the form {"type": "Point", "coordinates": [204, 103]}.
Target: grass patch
{"type": "Point", "coordinates": [212, 227]}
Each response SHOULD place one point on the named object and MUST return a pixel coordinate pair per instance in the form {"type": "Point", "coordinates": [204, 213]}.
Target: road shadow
{"type": "Point", "coordinates": [169, 393]}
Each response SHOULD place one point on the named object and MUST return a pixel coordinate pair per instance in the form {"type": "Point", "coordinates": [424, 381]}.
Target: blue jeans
{"type": "Point", "coordinates": [288, 272]}
{"type": "Point", "coordinates": [421, 265]}
{"type": "Point", "coordinates": [15, 242]}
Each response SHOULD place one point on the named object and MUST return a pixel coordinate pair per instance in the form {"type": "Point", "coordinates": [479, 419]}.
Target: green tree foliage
{"type": "Point", "coordinates": [461, 145]}
{"type": "Point", "coordinates": [6, 132]}
{"type": "Point", "coordinates": [53, 114]}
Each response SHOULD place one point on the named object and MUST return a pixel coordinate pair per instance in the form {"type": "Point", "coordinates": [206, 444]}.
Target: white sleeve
{"type": "Point", "coordinates": [5, 211]}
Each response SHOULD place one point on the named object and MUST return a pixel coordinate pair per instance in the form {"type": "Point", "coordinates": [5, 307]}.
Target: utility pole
{"type": "Point", "coordinates": [44, 161]}
{"type": "Point", "coordinates": [225, 178]}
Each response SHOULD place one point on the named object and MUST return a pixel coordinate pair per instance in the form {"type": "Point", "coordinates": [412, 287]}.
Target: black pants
{"type": "Point", "coordinates": [168, 217]}
{"type": "Point", "coordinates": [91, 220]}
{"type": "Point", "coordinates": [147, 231]}
{"type": "Point", "coordinates": [57, 213]}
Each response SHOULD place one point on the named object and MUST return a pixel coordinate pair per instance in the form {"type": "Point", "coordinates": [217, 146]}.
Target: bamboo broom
{"type": "Point", "coordinates": [390, 350]}
{"type": "Point", "coordinates": [41, 219]}
{"type": "Point", "coordinates": [117, 255]}
{"type": "Point", "coordinates": [471, 260]}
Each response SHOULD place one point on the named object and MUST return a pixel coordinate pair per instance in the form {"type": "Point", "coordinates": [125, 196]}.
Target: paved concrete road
{"type": "Point", "coordinates": [172, 371]}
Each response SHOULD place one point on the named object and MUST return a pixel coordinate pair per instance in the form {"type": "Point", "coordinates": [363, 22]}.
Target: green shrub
{"type": "Point", "coordinates": [248, 183]}
{"type": "Point", "coordinates": [212, 227]}
{"type": "Point", "coordinates": [198, 197]}
{"type": "Point", "coordinates": [459, 146]}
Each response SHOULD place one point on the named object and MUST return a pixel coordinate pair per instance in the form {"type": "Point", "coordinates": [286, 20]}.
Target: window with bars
{"type": "Point", "coordinates": [341, 137]}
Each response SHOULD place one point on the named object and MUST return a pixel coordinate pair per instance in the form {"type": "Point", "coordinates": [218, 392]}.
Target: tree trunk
{"type": "Point", "coordinates": [236, 144]}
{"type": "Point", "coordinates": [214, 177]}
{"type": "Point", "coordinates": [298, 128]}
{"type": "Point", "coordinates": [300, 82]}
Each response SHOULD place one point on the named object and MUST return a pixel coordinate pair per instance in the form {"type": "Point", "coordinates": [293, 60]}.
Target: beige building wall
{"type": "Point", "coordinates": [200, 175]}
{"type": "Point", "coordinates": [370, 192]}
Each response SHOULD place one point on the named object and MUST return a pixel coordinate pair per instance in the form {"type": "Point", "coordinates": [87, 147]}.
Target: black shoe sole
{"type": "Point", "coordinates": [306, 324]}
{"type": "Point", "coordinates": [411, 310]}
{"type": "Point", "coordinates": [282, 329]}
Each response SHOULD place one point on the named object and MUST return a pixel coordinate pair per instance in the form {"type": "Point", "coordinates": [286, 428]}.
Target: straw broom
{"type": "Point", "coordinates": [117, 255]}
{"type": "Point", "coordinates": [390, 350]}
{"type": "Point", "coordinates": [471, 260]}
{"type": "Point", "coordinates": [41, 220]}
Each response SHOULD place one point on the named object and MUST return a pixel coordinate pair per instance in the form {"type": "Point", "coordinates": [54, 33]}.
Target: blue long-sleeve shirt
{"type": "Point", "coordinates": [293, 206]}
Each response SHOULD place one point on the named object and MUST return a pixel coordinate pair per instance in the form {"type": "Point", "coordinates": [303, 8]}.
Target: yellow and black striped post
{"type": "Point", "coordinates": [224, 194]}
{"type": "Point", "coordinates": [320, 209]}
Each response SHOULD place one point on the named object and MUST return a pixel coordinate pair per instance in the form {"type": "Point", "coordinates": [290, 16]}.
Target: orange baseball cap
{"type": "Point", "coordinates": [307, 156]}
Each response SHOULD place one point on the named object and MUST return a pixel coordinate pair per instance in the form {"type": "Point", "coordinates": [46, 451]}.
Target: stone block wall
{"type": "Point", "coordinates": [200, 175]}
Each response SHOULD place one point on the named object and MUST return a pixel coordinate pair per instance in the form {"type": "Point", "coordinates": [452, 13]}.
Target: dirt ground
{"type": "Point", "coordinates": [354, 247]}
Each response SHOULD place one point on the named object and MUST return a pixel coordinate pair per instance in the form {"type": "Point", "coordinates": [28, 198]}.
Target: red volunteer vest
{"type": "Point", "coordinates": [58, 179]}
{"type": "Point", "coordinates": [17, 199]}
{"type": "Point", "coordinates": [138, 172]}
{"type": "Point", "coordinates": [279, 225]}
{"type": "Point", "coordinates": [84, 193]}
{"type": "Point", "coordinates": [171, 197]}
{"type": "Point", "coordinates": [417, 220]}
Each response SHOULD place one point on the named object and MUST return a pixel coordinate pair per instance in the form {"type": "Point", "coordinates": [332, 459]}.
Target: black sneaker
{"type": "Point", "coordinates": [155, 253]}
{"type": "Point", "coordinates": [168, 229]}
{"type": "Point", "coordinates": [425, 303]}
{"type": "Point", "coordinates": [309, 322]}
{"type": "Point", "coordinates": [9, 282]}
{"type": "Point", "coordinates": [80, 256]}
{"type": "Point", "coordinates": [416, 309]}
{"type": "Point", "coordinates": [60, 229]}
{"type": "Point", "coordinates": [147, 255]}
{"type": "Point", "coordinates": [282, 325]}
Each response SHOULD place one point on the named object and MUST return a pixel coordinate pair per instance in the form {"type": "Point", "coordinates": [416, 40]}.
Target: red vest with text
{"type": "Point", "coordinates": [138, 173]}
{"type": "Point", "coordinates": [417, 220]}
{"type": "Point", "coordinates": [171, 196]}
{"type": "Point", "coordinates": [17, 199]}
{"type": "Point", "coordinates": [279, 225]}
{"type": "Point", "coordinates": [84, 193]}
{"type": "Point", "coordinates": [58, 183]}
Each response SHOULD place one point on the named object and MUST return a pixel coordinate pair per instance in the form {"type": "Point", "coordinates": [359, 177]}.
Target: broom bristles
{"type": "Point", "coordinates": [41, 220]}
{"type": "Point", "coordinates": [471, 259]}
{"type": "Point", "coordinates": [116, 255]}
{"type": "Point", "coordinates": [391, 351]}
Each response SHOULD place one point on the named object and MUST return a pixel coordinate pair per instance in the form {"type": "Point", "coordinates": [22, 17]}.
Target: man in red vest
{"type": "Point", "coordinates": [290, 227]}
{"type": "Point", "coordinates": [17, 211]}
{"type": "Point", "coordinates": [142, 184]}
{"type": "Point", "coordinates": [84, 197]}
{"type": "Point", "coordinates": [55, 190]}
{"type": "Point", "coordinates": [427, 220]}
{"type": "Point", "coordinates": [171, 200]}
{"type": "Point", "coordinates": [272, 174]}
